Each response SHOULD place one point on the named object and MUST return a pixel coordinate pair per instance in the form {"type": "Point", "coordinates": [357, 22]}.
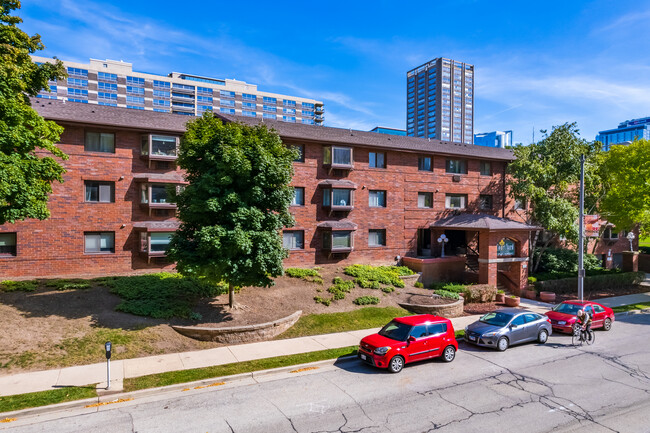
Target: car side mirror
{"type": "Point", "coordinates": [513, 326]}
{"type": "Point", "coordinates": [411, 339]}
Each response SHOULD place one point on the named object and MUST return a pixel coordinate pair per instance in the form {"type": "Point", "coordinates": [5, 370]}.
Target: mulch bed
{"type": "Point", "coordinates": [429, 300]}
{"type": "Point", "coordinates": [481, 308]}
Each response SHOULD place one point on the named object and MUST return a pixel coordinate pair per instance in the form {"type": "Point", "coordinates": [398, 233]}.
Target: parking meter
{"type": "Point", "coordinates": [107, 346]}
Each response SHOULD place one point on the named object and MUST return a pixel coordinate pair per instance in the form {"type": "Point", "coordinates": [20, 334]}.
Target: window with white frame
{"type": "Point", "coordinates": [99, 242]}
{"type": "Point", "coordinates": [456, 201]}
{"type": "Point", "coordinates": [333, 197]}
{"type": "Point", "coordinates": [337, 240]}
{"type": "Point", "coordinates": [377, 237]}
{"type": "Point", "coordinates": [293, 239]}
{"type": "Point", "coordinates": [7, 244]}
{"type": "Point", "coordinates": [376, 198]}
{"type": "Point", "coordinates": [337, 156]}
{"type": "Point", "coordinates": [425, 199]}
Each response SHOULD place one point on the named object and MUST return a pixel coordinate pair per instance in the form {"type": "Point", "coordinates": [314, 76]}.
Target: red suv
{"type": "Point", "coordinates": [408, 339]}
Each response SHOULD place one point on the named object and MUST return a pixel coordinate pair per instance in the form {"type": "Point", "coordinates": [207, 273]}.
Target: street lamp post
{"type": "Point", "coordinates": [443, 240]}
{"type": "Point", "coordinates": [581, 232]}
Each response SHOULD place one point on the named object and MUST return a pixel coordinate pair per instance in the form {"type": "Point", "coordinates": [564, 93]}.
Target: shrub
{"type": "Point", "coordinates": [565, 260]}
{"type": "Point", "coordinates": [545, 276]}
{"type": "Point", "coordinates": [18, 286]}
{"type": "Point", "coordinates": [163, 295]}
{"type": "Point", "coordinates": [419, 285]}
{"type": "Point", "coordinates": [500, 292]}
{"type": "Point", "coordinates": [310, 275]}
{"type": "Point", "coordinates": [388, 289]}
{"type": "Point", "coordinates": [367, 284]}
{"type": "Point", "coordinates": [389, 275]}
{"type": "Point", "coordinates": [323, 301]}
{"type": "Point", "coordinates": [480, 293]}
{"type": "Point", "coordinates": [402, 271]}
{"type": "Point", "coordinates": [611, 280]}
{"type": "Point", "coordinates": [340, 288]}
{"type": "Point", "coordinates": [75, 284]}
{"type": "Point", "coordinates": [532, 280]}
{"type": "Point", "coordinates": [447, 294]}
{"type": "Point", "coordinates": [366, 300]}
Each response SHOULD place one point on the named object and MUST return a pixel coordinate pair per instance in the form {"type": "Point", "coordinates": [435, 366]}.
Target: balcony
{"type": "Point", "coordinates": [319, 109]}
{"type": "Point", "coordinates": [155, 237]}
{"type": "Point", "coordinates": [159, 148]}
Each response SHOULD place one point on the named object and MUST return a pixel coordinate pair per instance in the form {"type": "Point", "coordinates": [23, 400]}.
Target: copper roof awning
{"type": "Point", "coordinates": [469, 221]}
{"type": "Point", "coordinates": [337, 225]}
{"type": "Point", "coordinates": [157, 226]}
{"type": "Point", "coordinates": [335, 183]}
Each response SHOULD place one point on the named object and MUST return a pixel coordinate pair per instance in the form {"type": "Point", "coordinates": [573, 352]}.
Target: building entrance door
{"type": "Point", "coordinates": [424, 242]}
{"type": "Point", "coordinates": [457, 242]}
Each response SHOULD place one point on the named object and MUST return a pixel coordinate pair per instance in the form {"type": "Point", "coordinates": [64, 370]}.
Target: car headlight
{"type": "Point", "coordinates": [561, 322]}
{"type": "Point", "coordinates": [489, 334]}
{"type": "Point", "coordinates": [382, 350]}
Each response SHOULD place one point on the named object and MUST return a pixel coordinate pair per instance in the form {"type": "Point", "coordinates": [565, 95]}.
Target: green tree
{"type": "Point", "coordinates": [25, 178]}
{"type": "Point", "coordinates": [546, 175]}
{"type": "Point", "coordinates": [235, 205]}
{"type": "Point", "coordinates": [626, 170]}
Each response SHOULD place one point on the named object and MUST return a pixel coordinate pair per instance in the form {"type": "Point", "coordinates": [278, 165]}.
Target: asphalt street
{"type": "Point", "coordinates": [529, 388]}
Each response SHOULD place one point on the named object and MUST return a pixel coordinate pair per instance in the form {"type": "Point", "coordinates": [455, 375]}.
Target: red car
{"type": "Point", "coordinates": [408, 339]}
{"type": "Point", "coordinates": [563, 316]}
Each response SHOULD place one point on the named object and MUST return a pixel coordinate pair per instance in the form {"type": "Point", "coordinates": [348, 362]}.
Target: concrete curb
{"type": "Point", "coordinates": [632, 312]}
{"type": "Point", "coordinates": [79, 404]}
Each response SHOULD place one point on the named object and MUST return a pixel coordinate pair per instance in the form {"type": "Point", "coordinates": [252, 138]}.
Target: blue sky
{"type": "Point", "coordinates": [538, 64]}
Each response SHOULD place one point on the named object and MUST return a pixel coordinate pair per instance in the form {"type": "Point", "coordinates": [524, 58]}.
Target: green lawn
{"type": "Point", "coordinates": [624, 308]}
{"type": "Point", "coordinates": [644, 242]}
{"type": "Point", "coordinates": [328, 323]}
{"type": "Point", "coordinates": [44, 398]}
{"type": "Point", "coordinates": [174, 377]}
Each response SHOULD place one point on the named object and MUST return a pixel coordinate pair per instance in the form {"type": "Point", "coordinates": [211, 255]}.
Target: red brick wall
{"type": "Point", "coordinates": [55, 247]}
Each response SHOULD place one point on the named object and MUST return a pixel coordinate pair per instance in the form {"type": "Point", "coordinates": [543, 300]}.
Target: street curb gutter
{"type": "Point", "coordinates": [133, 395]}
{"type": "Point", "coordinates": [632, 312]}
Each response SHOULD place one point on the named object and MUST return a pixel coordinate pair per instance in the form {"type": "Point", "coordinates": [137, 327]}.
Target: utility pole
{"type": "Point", "coordinates": [581, 229]}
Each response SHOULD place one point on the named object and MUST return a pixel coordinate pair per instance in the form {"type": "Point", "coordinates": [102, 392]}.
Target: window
{"type": "Point", "coordinates": [334, 197]}
{"type": "Point", "coordinates": [455, 201]}
{"type": "Point", "coordinates": [337, 240]}
{"type": "Point", "coordinates": [486, 168]}
{"type": "Point", "coordinates": [301, 153]}
{"type": "Point", "coordinates": [269, 100]}
{"type": "Point", "coordinates": [270, 108]}
{"type": "Point", "coordinates": [7, 244]}
{"type": "Point", "coordinates": [135, 81]}
{"type": "Point", "coordinates": [107, 77]}
{"type": "Point", "coordinates": [337, 156]}
{"type": "Point", "coordinates": [298, 196]}
{"type": "Point", "coordinates": [291, 119]}
{"type": "Point", "coordinates": [520, 204]}
{"type": "Point", "coordinates": [249, 105]}
{"type": "Point", "coordinates": [425, 199]}
{"type": "Point", "coordinates": [419, 331]}
{"type": "Point", "coordinates": [485, 202]}
{"type": "Point", "coordinates": [100, 192]}
{"type": "Point", "coordinates": [519, 320]}
{"type": "Point", "coordinates": [248, 113]}
{"type": "Point", "coordinates": [424, 163]}
{"type": "Point", "coordinates": [289, 103]}
{"type": "Point", "coordinates": [377, 159]}
{"type": "Point", "coordinates": [99, 242]}
{"type": "Point", "coordinates": [161, 145]}
{"type": "Point", "coordinates": [456, 166]}
{"type": "Point", "coordinates": [293, 239]}
{"type": "Point", "coordinates": [377, 198]}
{"type": "Point", "coordinates": [377, 237]}
{"type": "Point", "coordinates": [609, 233]}
{"type": "Point", "coordinates": [226, 94]}
{"type": "Point", "coordinates": [437, 328]}
{"type": "Point", "coordinates": [100, 142]}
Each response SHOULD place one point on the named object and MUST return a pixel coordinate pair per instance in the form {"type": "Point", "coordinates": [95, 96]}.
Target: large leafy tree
{"type": "Point", "coordinates": [25, 177]}
{"type": "Point", "coordinates": [626, 174]}
{"type": "Point", "coordinates": [546, 175]}
{"type": "Point", "coordinates": [235, 205]}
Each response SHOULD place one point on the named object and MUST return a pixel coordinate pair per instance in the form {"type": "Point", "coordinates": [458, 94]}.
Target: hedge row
{"type": "Point", "coordinates": [591, 283]}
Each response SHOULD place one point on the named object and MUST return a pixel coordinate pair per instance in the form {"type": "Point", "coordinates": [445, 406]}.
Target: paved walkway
{"type": "Point", "coordinates": [128, 368]}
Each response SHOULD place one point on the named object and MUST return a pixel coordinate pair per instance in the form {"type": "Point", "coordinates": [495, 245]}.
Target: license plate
{"type": "Point", "coordinates": [471, 337]}
{"type": "Point", "coordinates": [363, 357]}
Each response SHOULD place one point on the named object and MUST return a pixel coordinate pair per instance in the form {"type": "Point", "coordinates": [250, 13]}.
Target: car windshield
{"type": "Point", "coordinates": [496, 318]}
{"type": "Point", "coordinates": [567, 308]}
{"type": "Point", "coordinates": [395, 331]}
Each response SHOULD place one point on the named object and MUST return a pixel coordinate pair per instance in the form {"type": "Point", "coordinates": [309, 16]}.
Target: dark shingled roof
{"type": "Point", "coordinates": [337, 225]}
{"type": "Point", "coordinates": [471, 221]}
{"type": "Point", "coordinates": [75, 112]}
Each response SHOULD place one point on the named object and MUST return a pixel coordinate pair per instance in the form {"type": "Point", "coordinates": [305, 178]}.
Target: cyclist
{"type": "Point", "coordinates": [584, 320]}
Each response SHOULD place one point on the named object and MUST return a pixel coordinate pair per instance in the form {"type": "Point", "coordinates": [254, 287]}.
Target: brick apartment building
{"type": "Point", "coordinates": [361, 197]}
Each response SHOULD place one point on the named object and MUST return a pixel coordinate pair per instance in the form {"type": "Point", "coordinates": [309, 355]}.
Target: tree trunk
{"type": "Point", "coordinates": [231, 295]}
{"type": "Point", "coordinates": [541, 252]}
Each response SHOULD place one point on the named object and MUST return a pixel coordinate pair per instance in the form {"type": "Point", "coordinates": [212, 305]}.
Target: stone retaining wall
{"type": "Point", "coordinates": [454, 309]}
{"type": "Point", "coordinates": [240, 334]}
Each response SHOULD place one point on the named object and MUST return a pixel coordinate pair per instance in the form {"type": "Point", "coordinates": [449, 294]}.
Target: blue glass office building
{"type": "Point", "coordinates": [500, 139]}
{"type": "Point", "coordinates": [626, 132]}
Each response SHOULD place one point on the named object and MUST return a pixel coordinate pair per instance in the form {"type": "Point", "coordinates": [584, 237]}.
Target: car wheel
{"type": "Point", "coordinates": [449, 354]}
{"type": "Point", "coordinates": [543, 336]}
{"type": "Point", "coordinates": [502, 344]}
{"type": "Point", "coordinates": [396, 364]}
{"type": "Point", "coordinates": [607, 324]}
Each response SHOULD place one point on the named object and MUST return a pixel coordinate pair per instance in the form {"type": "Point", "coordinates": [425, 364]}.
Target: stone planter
{"type": "Point", "coordinates": [529, 294]}
{"type": "Point", "coordinates": [500, 298]}
{"type": "Point", "coordinates": [512, 302]}
{"type": "Point", "coordinates": [547, 297]}
{"type": "Point", "coordinates": [454, 309]}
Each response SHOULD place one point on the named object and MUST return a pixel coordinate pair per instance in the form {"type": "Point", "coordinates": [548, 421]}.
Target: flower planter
{"type": "Point", "coordinates": [500, 298]}
{"type": "Point", "coordinates": [512, 302]}
{"type": "Point", "coordinates": [530, 294]}
{"type": "Point", "coordinates": [547, 296]}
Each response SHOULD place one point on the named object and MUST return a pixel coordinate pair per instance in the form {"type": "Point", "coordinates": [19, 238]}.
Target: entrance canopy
{"type": "Point", "coordinates": [469, 221]}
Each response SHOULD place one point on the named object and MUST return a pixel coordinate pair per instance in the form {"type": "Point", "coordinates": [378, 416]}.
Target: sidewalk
{"type": "Point", "coordinates": [129, 368]}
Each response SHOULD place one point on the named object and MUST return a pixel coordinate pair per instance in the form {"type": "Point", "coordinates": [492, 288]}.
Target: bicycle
{"type": "Point", "coordinates": [580, 336]}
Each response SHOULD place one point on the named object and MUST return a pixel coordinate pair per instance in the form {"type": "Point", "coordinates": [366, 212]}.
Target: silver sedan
{"type": "Point", "coordinates": [507, 326]}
